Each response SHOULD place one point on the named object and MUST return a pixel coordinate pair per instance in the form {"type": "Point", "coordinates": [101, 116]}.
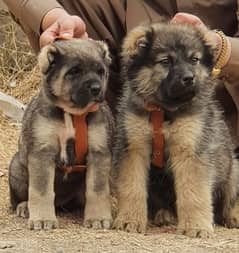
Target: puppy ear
{"type": "Point", "coordinates": [209, 50]}
{"type": "Point", "coordinates": [47, 58]}
{"type": "Point", "coordinates": [138, 40]}
{"type": "Point", "coordinates": [104, 51]}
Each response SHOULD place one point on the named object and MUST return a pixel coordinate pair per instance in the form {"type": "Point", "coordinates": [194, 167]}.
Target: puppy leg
{"type": "Point", "coordinates": [133, 175]}
{"type": "Point", "coordinates": [193, 190]}
{"type": "Point", "coordinates": [98, 208]}
{"type": "Point", "coordinates": [230, 210]}
{"type": "Point", "coordinates": [18, 182]}
{"type": "Point", "coordinates": [41, 190]}
{"type": "Point", "coordinates": [132, 190]}
{"type": "Point", "coordinates": [192, 182]}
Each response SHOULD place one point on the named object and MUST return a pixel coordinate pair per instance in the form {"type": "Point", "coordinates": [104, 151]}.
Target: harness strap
{"type": "Point", "coordinates": [156, 119]}
{"type": "Point", "coordinates": [81, 140]}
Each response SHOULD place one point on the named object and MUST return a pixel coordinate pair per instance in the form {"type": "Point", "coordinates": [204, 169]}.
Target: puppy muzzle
{"type": "Point", "coordinates": [89, 91]}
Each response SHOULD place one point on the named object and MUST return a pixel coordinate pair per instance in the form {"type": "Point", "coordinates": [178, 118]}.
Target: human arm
{"type": "Point", "coordinates": [48, 19]}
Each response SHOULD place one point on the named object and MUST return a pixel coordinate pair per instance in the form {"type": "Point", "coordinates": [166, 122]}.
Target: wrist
{"type": "Point", "coordinates": [223, 52]}
{"type": "Point", "coordinates": [51, 16]}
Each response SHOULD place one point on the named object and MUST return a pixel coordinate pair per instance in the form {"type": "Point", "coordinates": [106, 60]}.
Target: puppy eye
{"type": "Point", "coordinates": [100, 71]}
{"type": "Point", "coordinates": [195, 60]}
{"type": "Point", "coordinates": [73, 71]}
{"type": "Point", "coordinates": [164, 61]}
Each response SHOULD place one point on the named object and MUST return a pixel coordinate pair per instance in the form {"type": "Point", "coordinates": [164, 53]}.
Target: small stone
{"type": "Point", "coordinates": [5, 245]}
{"type": "Point", "coordinates": [13, 84]}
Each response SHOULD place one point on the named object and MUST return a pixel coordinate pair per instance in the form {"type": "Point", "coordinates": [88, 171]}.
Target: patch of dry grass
{"type": "Point", "coordinates": [19, 78]}
{"type": "Point", "coordinates": [18, 72]}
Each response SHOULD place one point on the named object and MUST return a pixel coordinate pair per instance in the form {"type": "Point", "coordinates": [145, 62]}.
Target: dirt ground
{"type": "Point", "coordinates": [71, 236]}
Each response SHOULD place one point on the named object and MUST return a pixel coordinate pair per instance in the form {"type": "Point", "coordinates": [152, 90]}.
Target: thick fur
{"type": "Point", "coordinates": [169, 65]}
{"type": "Point", "coordinates": [74, 76]}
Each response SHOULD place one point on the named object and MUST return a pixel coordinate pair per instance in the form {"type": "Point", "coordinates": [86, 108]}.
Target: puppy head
{"type": "Point", "coordinates": [167, 64]}
{"type": "Point", "coordinates": [75, 72]}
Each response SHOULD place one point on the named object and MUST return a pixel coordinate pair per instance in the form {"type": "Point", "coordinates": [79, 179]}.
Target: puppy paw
{"type": "Point", "coordinates": [22, 210]}
{"type": "Point", "coordinates": [164, 217]}
{"type": "Point", "coordinates": [232, 222]}
{"type": "Point", "coordinates": [130, 225]}
{"type": "Point", "coordinates": [196, 232]}
{"type": "Point", "coordinates": [98, 224]}
{"type": "Point", "coordinates": [42, 224]}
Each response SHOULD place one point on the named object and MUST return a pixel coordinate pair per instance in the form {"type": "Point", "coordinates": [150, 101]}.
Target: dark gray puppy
{"type": "Point", "coordinates": [169, 66]}
{"type": "Point", "coordinates": [74, 80]}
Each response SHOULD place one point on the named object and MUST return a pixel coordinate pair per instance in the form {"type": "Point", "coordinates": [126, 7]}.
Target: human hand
{"type": "Point", "coordinates": [58, 24]}
{"type": "Point", "coordinates": [211, 36]}
{"type": "Point", "coordinates": [187, 18]}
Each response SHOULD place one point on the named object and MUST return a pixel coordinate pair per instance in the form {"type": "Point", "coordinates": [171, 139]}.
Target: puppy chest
{"type": "Point", "coordinates": [78, 139]}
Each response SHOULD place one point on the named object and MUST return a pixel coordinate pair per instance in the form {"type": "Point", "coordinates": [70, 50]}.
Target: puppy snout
{"type": "Point", "coordinates": [95, 88]}
{"type": "Point", "coordinates": [188, 79]}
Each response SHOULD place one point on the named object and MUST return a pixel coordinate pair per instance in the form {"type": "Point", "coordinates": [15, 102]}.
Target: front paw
{"type": "Point", "coordinates": [43, 224]}
{"type": "Point", "coordinates": [97, 223]}
{"type": "Point", "coordinates": [130, 224]}
{"type": "Point", "coordinates": [196, 232]}
{"type": "Point", "coordinates": [164, 217]}
{"type": "Point", "coordinates": [232, 222]}
{"type": "Point", "coordinates": [22, 210]}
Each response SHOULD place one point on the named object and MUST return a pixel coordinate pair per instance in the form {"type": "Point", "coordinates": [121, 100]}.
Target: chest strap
{"type": "Point", "coordinates": [81, 141]}
{"type": "Point", "coordinates": [156, 119]}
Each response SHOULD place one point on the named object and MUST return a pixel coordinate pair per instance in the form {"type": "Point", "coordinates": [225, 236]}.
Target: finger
{"type": "Point", "coordinates": [48, 36]}
{"type": "Point", "coordinates": [182, 17]}
{"type": "Point", "coordinates": [80, 28]}
{"type": "Point", "coordinates": [71, 27]}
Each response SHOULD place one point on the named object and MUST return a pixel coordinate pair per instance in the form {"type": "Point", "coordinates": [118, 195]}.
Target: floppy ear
{"type": "Point", "coordinates": [47, 57]}
{"type": "Point", "coordinates": [138, 40]}
{"type": "Point", "coordinates": [104, 51]}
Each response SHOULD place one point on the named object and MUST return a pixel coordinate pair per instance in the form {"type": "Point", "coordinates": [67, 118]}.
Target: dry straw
{"type": "Point", "coordinates": [18, 74]}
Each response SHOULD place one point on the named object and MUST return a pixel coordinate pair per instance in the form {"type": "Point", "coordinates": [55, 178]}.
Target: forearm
{"type": "Point", "coordinates": [31, 12]}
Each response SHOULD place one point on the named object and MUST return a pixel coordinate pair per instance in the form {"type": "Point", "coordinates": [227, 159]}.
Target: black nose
{"type": "Point", "coordinates": [187, 80]}
{"type": "Point", "coordinates": [95, 88]}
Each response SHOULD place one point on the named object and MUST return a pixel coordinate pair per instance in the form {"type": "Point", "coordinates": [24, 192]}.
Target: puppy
{"type": "Point", "coordinates": [74, 81]}
{"type": "Point", "coordinates": [167, 68]}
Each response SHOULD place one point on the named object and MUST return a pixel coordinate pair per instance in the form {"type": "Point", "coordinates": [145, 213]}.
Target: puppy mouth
{"type": "Point", "coordinates": [82, 101]}
{"type": "Point", "coordinates": [91, 106]}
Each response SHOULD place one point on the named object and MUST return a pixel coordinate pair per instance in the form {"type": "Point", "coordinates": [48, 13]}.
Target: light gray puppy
{"type": "Point", "coordinates": [74, 80]}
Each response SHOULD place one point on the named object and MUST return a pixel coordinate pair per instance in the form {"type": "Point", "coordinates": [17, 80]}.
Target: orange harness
{"type": "Point", "coordinates": [81, 140]}
{"type": "Point", "coordinates": [157, 118]}
{"type": "Point", "coordinates": [81, 143]}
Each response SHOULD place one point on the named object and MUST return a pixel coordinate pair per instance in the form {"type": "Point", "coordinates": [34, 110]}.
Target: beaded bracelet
{"type": "Point", "coordinates": [224, 54]}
